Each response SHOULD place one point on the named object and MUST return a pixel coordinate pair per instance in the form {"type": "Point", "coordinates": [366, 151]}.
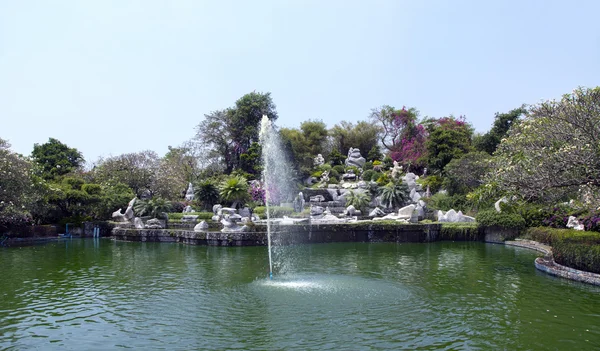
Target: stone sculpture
{"type": "Point", "coordinates": [189, 194]}
{"type": "Point", "coordinates": [231, 223]}
{"type": "Point", "coordinates": [453, 217]}
{"type": "Point", "coordinates": [376, 212]}
{"type": "Point", "coordinates": [299, 202]}
{"type": "Point", "coordinates": [137, 222]}
{"type": "Point", "coordinates": [188, 209]}
{"type": "Point", "coordinates": [497, 204]}
{"type": "Point", "coordinates": [154, 224]}
{"type": "Point", "coordinates": [573, 222]}
{"type": "Point", "coordinates": [396, 170]}
{"type": "Point", "coordinates": [201, 227]}
{"type": "Point", "coordinates": [349, 175]}
{"type": "Point", "coordinates": [316, 210]}
{"type": "Point", "coordinates": [128, 215]}
{"type": "Point", "coordinates": [319, 160]}
{"type": "Point", "coordinates": [355, 158]}
{"type": "Point", "coordinates": [317, 198]}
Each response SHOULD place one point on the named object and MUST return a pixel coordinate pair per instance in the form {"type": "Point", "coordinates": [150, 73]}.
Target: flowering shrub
{"type": "Point", "coordinates": [257, 193]}
{"type": "Point", "coordinates": [12, 217]}
{"type": "Point", "coordinates": [591, 221]}
{"type": "Point", "coordinates": [558, 218]}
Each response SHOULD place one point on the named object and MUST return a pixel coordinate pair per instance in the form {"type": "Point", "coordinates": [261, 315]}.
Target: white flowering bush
{"type": "Point", "coordinates": [554, 151]}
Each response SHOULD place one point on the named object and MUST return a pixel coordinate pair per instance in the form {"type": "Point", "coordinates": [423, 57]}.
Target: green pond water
{"type": "Point", "coordinates": [105, 295]}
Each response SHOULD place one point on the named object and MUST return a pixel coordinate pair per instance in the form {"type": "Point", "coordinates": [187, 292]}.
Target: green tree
{"type": "Point", "coordinates": [250, 161]}
{"type": "Point", "coordinates": [362, 135]}
{"type": "Point", "coordinates": [17, 188]}
{"type": "Point", "coordinates": [449, 138]}
{"type": "Point", "coordinates": [554, 152]}
{"type": "Point", "coordinates": [304, 144]}
{"type": "Point", "coordinates": [489, 141]}
{"type": "Point", "coordinates": [137, 170]}
{"type": "Point", "coordinates": [234, 189]}
{"type": "Point", "coordinates": [231, 132]}
{"type": "Point", "coordinates": [466, 173]}
{"type": "Point", "coordinates": [56, 159]}
{"type": "Point", "coordinates": [207, 193]}
{"type": "Point", "coordinates": [156, 207]}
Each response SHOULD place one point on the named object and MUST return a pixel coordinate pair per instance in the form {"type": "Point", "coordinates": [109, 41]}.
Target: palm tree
{"type": "Point", "coordinates": [234, 189]}
{"type": "Point", "coordinates": [394, 194]}
{"type": "Point", "coordinates": [207, 192]}
{"type": "Point", "coordinates": [155, 207]}
{"type": "Point", "coordinates": [358, 199]}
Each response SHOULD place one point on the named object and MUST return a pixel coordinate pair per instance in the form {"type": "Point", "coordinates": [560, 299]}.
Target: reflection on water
{"type": "Point", "coordinates": [102, 295]}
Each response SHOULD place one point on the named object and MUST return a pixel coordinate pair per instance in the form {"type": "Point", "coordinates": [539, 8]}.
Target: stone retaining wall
{"type": "Point", "coordinates": [290, 234]}
{"type": "Point", "coordinates": [548, 265]}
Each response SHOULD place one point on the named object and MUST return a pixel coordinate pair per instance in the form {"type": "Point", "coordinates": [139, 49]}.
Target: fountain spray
{"type": "Point", "coordinates": [265, 126]}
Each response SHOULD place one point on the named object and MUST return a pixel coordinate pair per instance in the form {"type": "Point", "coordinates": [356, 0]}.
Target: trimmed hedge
{"type": "Point", "coordinates": [578, 255]}
{"type": "Point", "coordinates": [572, 248]}
{"type": "Point", "coordinates": [275, 211]}
{"type": "Point", "coordinates": [491, 218]}
{"type": "Point", "coordinates": [201, 215]}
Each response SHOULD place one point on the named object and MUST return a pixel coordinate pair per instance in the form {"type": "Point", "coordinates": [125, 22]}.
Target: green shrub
{"type": "Point", "coordinates": [368, 166]}
{"type": "Point", "coordinates": [333, 180]}
{"type": "Point", "coordinates": [334, 174]}
{"type": "Point", "coordinates": [585, 257]}
{"type": "Point", "coordinates": [340, 169]}
{"type": "Point", "coordinates": [491, 218]}
{"type": "Point", "coordinates": [534, 215]}
{"type": "Point", "coordinates": [434, 182]}
{"type": "Point", "coordinates": [551, 236]}
{"type": "Point", "coordinates": [368, 175]}
{"type": "Point", "coordinates": [317, 174]}
{"type": "Point", "coordinates": [572, 248]}
{"type": "Point", "coordinates": [275, 211]}
{"type": "Point", "coordinates": [201, 215]}
{"type": "Point", "coordinates": [445, 202]}
{"type": "Point", "coordinates": [383, 179]}
{"type": "Point", "coordinates": [460, 231]}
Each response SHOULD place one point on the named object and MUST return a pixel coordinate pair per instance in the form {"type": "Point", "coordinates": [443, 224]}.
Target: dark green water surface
{"type": "Point", "coordinates": [105, 295]}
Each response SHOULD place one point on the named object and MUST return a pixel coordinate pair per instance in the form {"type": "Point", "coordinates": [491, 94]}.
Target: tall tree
{"type": "Point", "coordinates": [137, 170]}
{"type": "Point", "coordinates": [231, 132]}
{"type": "Point", "coordinates": [17, 188]}
{"type": "Point", "coordinates": [362, 135]}
{"type": "Point", "coordinates": [489, 141]}
{"type": "Point", "coordinates": [449, 138]}
{"type": "Point", "coordinates": [56, 159]}
{"type": "Point", "coordinates": [553, 152]}
{"type": "Point", "coordinates": [245, 118]}
{"type": "Point", "coordinates": [402, 135]}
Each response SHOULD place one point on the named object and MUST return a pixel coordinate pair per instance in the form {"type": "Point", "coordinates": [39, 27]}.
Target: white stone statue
{"type": "Point", "coordinates": [319, 160]}
{"type": "Point", "coordinates": [189, 194]}
{"type": "Point", "coordinates": [396, 170]}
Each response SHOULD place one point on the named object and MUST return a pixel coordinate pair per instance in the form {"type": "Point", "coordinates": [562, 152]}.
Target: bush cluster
{"type": "Point", "coordinates": [201, 215]}
{"type": "Point", "coordinates": [571, 248]}
{"type": "Point", "coordinates": [489, 218]}
{"type": "Point", "coordinates": [275, 211]}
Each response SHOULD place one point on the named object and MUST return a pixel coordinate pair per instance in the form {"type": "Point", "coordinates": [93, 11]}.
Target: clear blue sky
{"type": "Point", "coordinates": [110, 77]}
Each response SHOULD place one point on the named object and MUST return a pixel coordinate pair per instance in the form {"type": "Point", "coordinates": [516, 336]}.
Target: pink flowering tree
{"type": "Point", "coordinates": [402, 135]}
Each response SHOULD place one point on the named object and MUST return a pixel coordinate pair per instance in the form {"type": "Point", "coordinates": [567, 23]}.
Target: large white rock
{"type": "Point", "coordinates": [573, 222]}
{"type": "Point", "coordinates": [406, 211]}
{"type": "Point", "coordinates": [200, 227]}
{"type": "Point", "coordinates": [137, 221]}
